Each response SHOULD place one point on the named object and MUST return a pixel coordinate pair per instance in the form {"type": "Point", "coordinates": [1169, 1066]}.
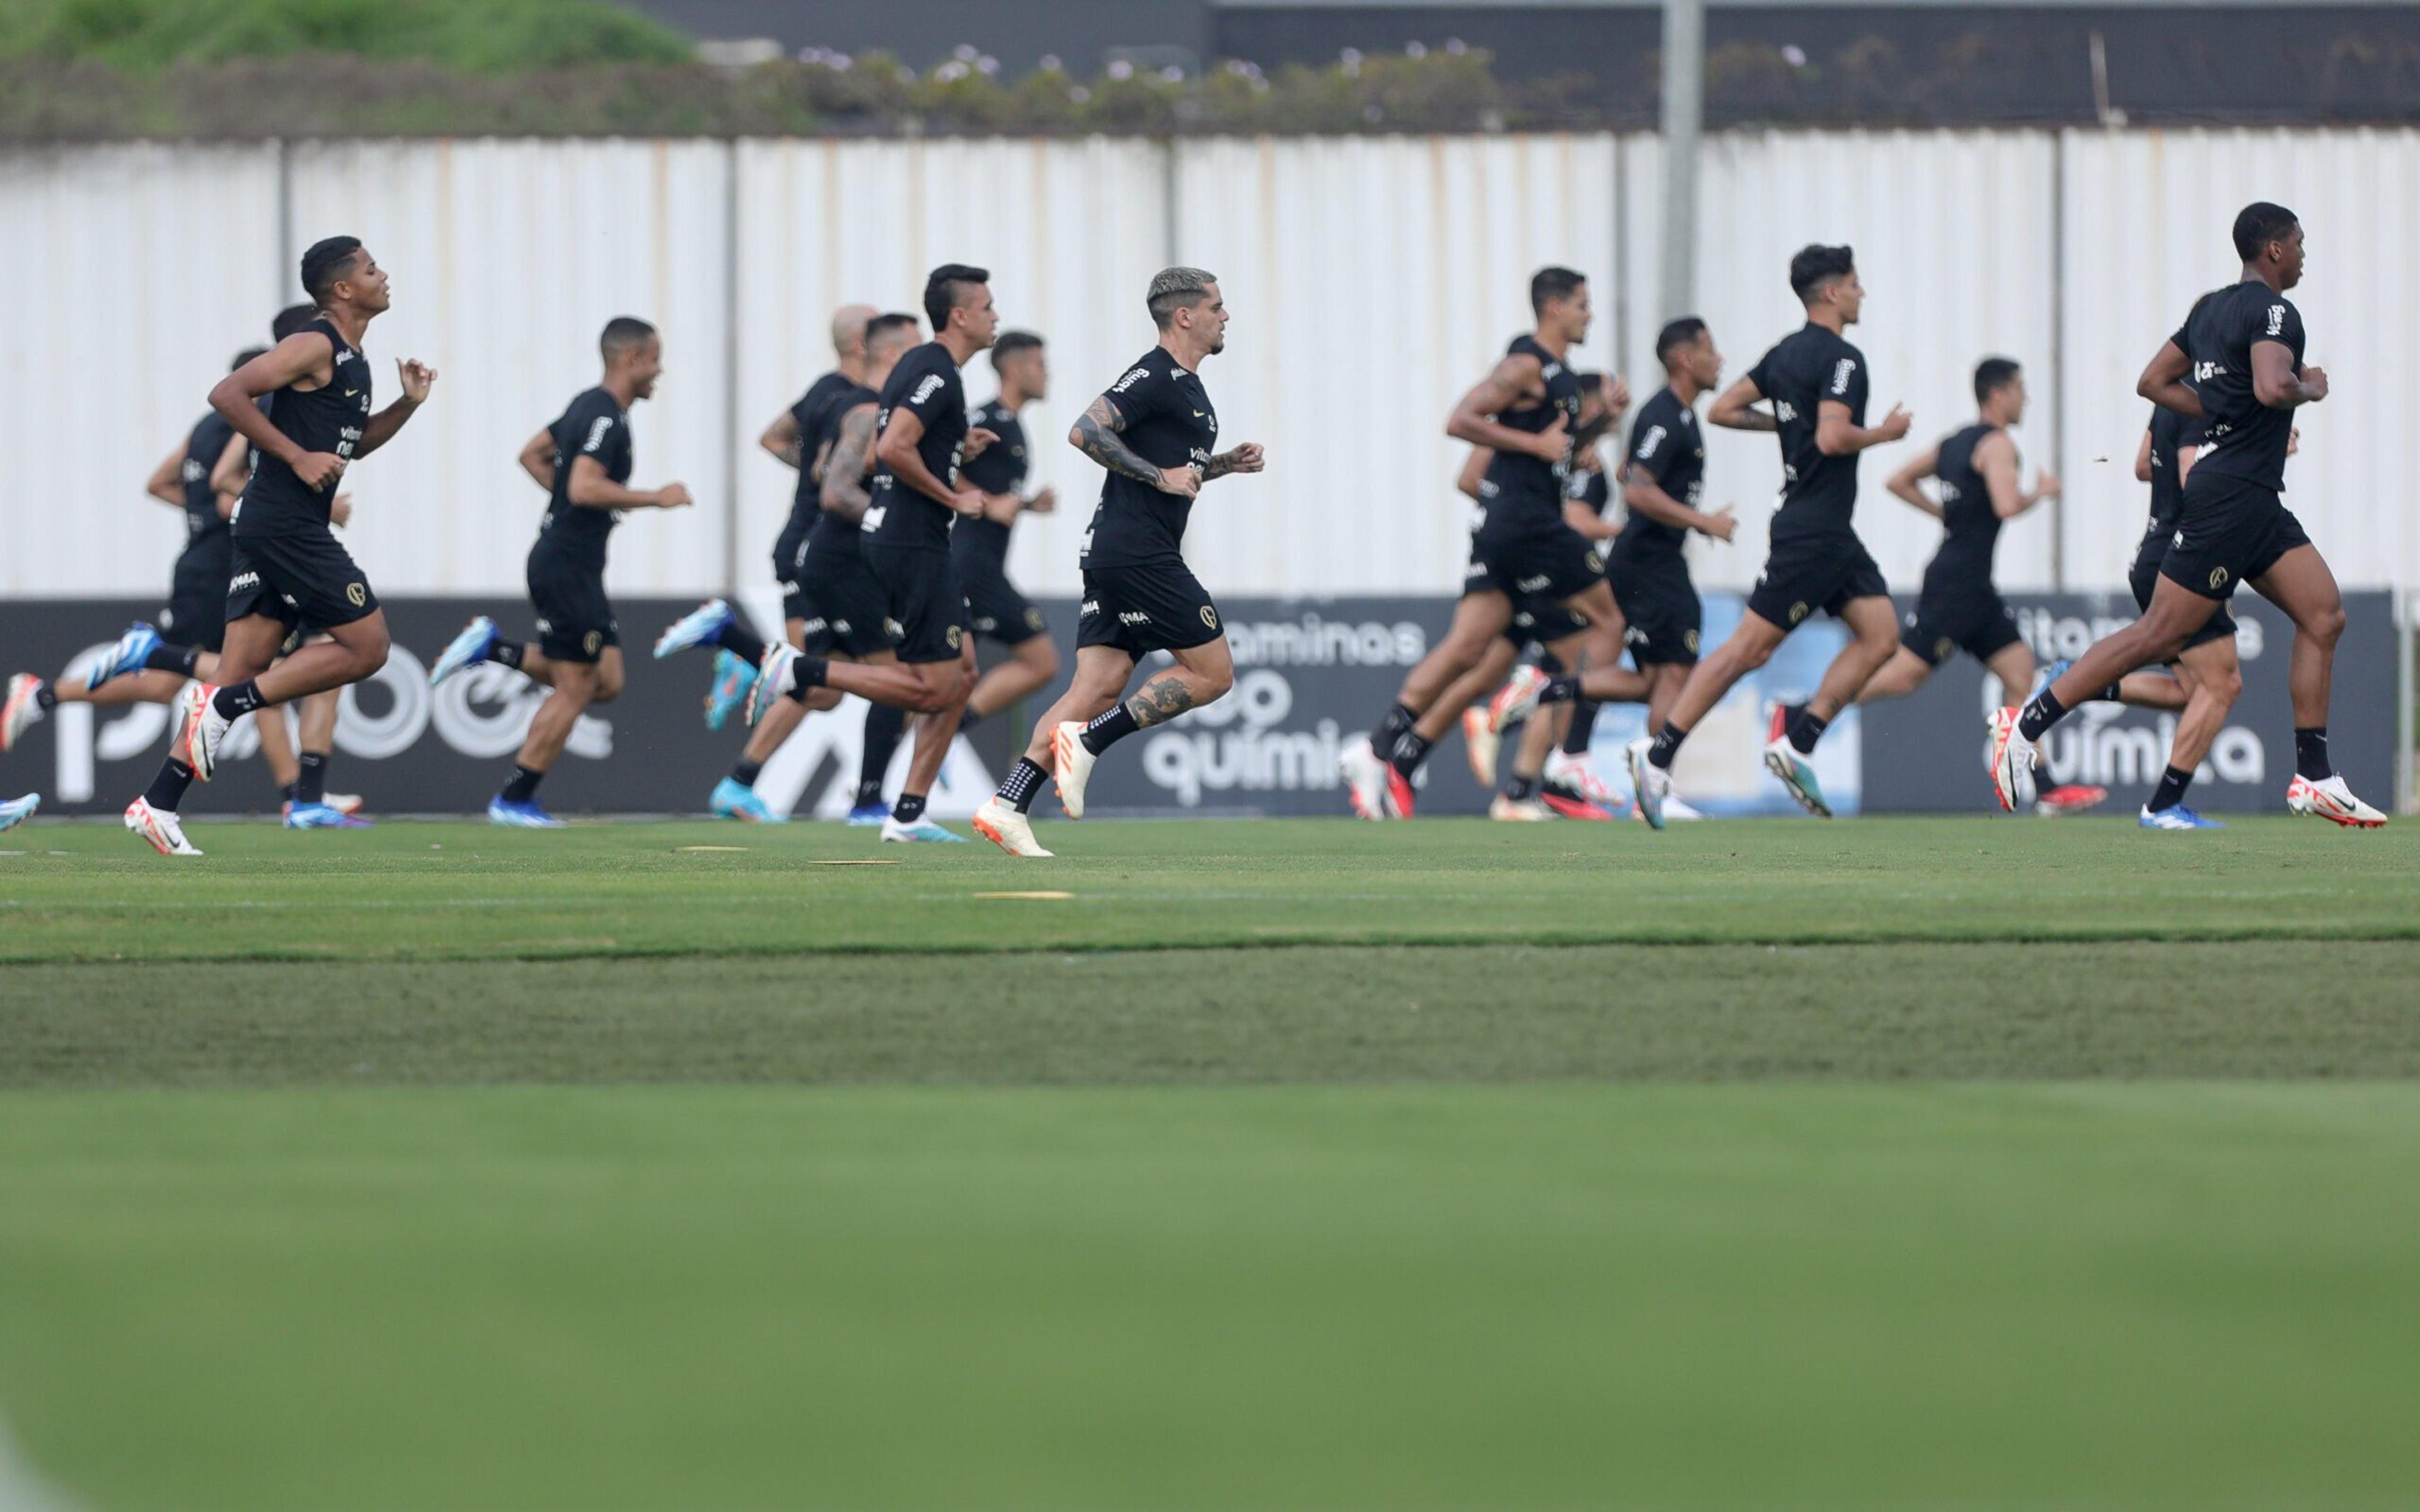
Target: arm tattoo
{"type": "Point", "coordinates": [1096, 436]}
{"type": "Point", "coordinates": [1161, 699]}
{"type": "Point", "coordinates": [844, 493]}
{"type": "Point", "coordinates": [1218, 466]}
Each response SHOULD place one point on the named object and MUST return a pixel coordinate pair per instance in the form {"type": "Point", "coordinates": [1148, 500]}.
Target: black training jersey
{"type": "Point", "coordinates": [203, 446]}
{"type": "Point", "coordinates": [2242, 438]}
{"type": "Point", "coordinates": [2171, 433]}
{"type": "Point", "coordinates": [1001, 469]}
{"type": "Point", "coordinates": [326, 419]}
{"type": "Point", "coordinates": [815, 427]}
{"type": "Point", "coordinates": [1808, 367]}
{"type": "Point", "coordinates": [1666, 445]}
{"type": "Point", "coordinates": [1524, 496]}
{"type": "Point", "coordinates": [1169, 423]}
{"type": "Point", "coordinates": [594, 424]}
{"type": "Point", "coordinates": [1587, 486]}
{"type": "Point", "coordinates": [925, 384]}
{"type": "Point", "coordinates": [1972, 525]}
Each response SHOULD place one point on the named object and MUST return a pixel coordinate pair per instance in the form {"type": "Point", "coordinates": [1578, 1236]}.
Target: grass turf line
{"type": "Point", "coordinates": [449, 891]}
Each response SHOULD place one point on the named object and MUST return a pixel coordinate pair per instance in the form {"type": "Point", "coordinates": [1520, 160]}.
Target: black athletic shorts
{"type": "Point", "coordinates": [789, 559]}
{"type": "Point", "coordinates": [994, 606]}
{"type": "Point", "coordinates": [195, 614]}
{"type": "Point", "coordinates": [2229, 533]}
{"type": "Point", "coordinates": [575, 621]}
{"type": "Point", "coordinates": [1553, 565]}
{"type": "Point", "coordinates": [1660, 607]}
{"type": "Point", "coordinates": [844, 607]}
{"type": "Point", "coordinates": [2145, 575]}
{"type": "Point", "coordinates": [1806, 573]}
{"type": "Point", "coordinates": [925, 608]}
{"type": "Point", "coordinates": [1952, 617]}
{"type": "Point", "coordinates": [305, 578]}
{"type": "Point", "coordinates": [1158, 606]}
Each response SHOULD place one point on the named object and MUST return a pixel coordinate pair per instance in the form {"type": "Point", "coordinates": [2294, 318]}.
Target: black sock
{"type": "Point", "coordinates": [1024, 781]}
{"type": "Point", "coordinates": [1582, 733]}
{"type": "Point", "coordinates": [966, 718]}
{"type": "Point", "coordinates": [523, 787]}
{"type": "Point", "coordinates": [2311, 754]}
{"type": "Point", "coordinates": [311, 778]}
{"type": "Point", "coordinates": [508, 654]}
{"type": "Point", "coordinates": [167, 789]}
{"type": "Point", "coordinates": [1398, 723]}
{"type": "Point", "coordinates": [736, 640]}
{"type": "Point", "coordinates": [807, 674]}
{"type": "Point", "coordinates": [2172, 789]}
{"type": "Point", "coordinates": [242, 698]}
{"type": "Point", "coordinates": [909, 808]}
{"type": "Point", "coordinates": [1521, 789]}
{"type": "Point", "coordinates": [45, 696]}
{"type": "Point", "coordinates": [744, 772]}
{"type": "Point", "coordinates": [1668, 745]}
{"type": "Point", "coordinates": [884, 726]}
{"type": "Point", "coordinates": [2112, 694]}
{"type": "Point", "coordinates": [1109, 729]}
{"type": "Point", "coordinates": [1412, 749]}
{"type": "Point", "coordinates": [286, 791]}
{"type": "Point", "coordinates": [1560, 690]}
{"type": "Point", "coordinates": [1804, 730]}
{"type": "Point", "coordinates": [2039, 716]}
{"type": "Point", "coordinates": [178, 659]}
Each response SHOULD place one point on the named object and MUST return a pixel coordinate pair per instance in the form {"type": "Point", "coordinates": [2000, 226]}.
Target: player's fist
{"type": "Point", "coordinates": [340, 509]}
{"type": "Point", "coordinates": [2045, 485]}
{"type": "Point", "coordinates": [1248, 458]}
{"type": "Point", "coordinates": [977, 443]}
{"type": "Point", "coordinates": [1617, 397]}
{"type": "Point", "coordinates": [1895, 424]}
{"type": "Point", "coordinates": [416, 376]}
{"type": "Point", "coordinates": [673, 496]}
{"type": "Point", "coordinates": [2315, 383]}
{"type": "Point", "coordinates": [1044, 502]}
{"type": "Point", "coordinates": [319, 469]}
{"type": "Point", "coordinates": [2293, 439]}
{"type": "Point", "coordinates": [1553, 443]}
{"type": "Point", "coordinates": [1185, 482]}
{"type": "Point", "coordinates": [1722, 524]}
{"type": "Point", "coordinates": [968, 501]}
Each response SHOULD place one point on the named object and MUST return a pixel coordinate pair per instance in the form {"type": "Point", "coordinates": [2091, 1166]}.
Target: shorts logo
{"type": "Point", "coordinates": [1133, 616]}
{"type": "Point", "coordinates": [1797, 611]}
{"type": "Point", "coordinates": [1596, 561]}
{"type": "Point", "coordinates": [1209, 617]}
{"type": "Point", "coordinates": [591, 642]}
{"type": "Point", "coordinates": [1531, 586]}
{"type": "Point", "coordinates": [1091, 606]}
{"type": "Point", "coordinates": [812, 627]}
{"type": "Point", "coordinates": [1689, 642]}
{"type": "Point", "coordinates": [1033, 619]}
{"type": "Point", "coordinates": [1942, 648]}
{"type": "Point", "coordinates": [2218, 577]}
{"type": "Point", "coordinates": [1634, 636]}
{"type": "Point", "coordinates": [356, 595]}
{"type": "Point", "coordinates": [892, 628]}
{"type": "Point", "coordinates": [244, 581]}
{"type": "Point", "coordinates": [956, 637]}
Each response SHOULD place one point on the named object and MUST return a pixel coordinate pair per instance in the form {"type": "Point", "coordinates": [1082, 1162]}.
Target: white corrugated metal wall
{"type": "Point", "coordinates": [1371, 280]}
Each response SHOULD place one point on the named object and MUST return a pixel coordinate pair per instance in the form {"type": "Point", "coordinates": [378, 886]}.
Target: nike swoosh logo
{"type": "Point", "coordinates": [350, 393]}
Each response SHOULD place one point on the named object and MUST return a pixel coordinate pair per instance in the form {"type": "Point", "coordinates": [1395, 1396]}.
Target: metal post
{"type": "Point", "coordinates": [2406, 625]}
{"type": "Point", "coordinates": [2058, 459]}
{"type": "Point", "coordinates": [1684, 70]}
{"type": "Point", "coordinates": [731, 329]}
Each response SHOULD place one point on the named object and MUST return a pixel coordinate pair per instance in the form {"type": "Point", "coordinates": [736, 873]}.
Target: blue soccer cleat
{"type": "Point", "coordinates": [132, 650]}
{"type": "Point", "coordinates": [733, 678]}
{"type": "Point", "coordinates": [922, 831]}
{"type": "Point", "coordinates": [2178, 817]}
{"type": "Point", "coordinates": [700, 627]}
{"type": "Point", "coordinates": [523, 816]}
{"type": "Point", "coordinates": [17, 811]}
{"type": "Point", "coordinates": [2048, 676]}
{"type": "Point", "coordinates": [473, 646]}
{"type": "Point", "coordinates": [321, 816]}
{"type": "Point", "coordinates": [870, 814]}
{"type": "Point", "coordinates": [732, 801]}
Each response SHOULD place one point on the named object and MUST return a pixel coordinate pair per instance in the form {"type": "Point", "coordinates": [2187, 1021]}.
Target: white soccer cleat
{"type": "Point", "coordinates": [1518, 697]}
{"type": "Point", "coordinates": [203, 726]}
{"type": "Point", "coordinates": [159, 826]}
{"type": "Point", "coordinates": [1519, 810]}
{"type": "Point", "coordinates": [1675, 811]}
{"type": "Point", "coordinates": [2014, 758]}
{"type": "Point", "coordinates": [16, 811]}
{"type": "Point", "coordinates": [1481, 739]}
{"type": "Point", "coordinates": [2332, 801]}
{"type": "Point", "coordinates": [1652, 784]}
{"type": "Point", "coordinates": [998, 822]}
{"type": "Point", "coordinates": [773, 679]}
{"type": "Point", "coordinates": [23, 709]}
{"type": "Point", "coordinates": [918, 831]}
{"type": "Point", "coordinates": [1365, 777]}
{"type": "Point", "coordinates": [1565, 770]}
{"type": "Point", "coordinates": [1073, 766]}
{"type": "Point", "coordinates": [1797, 774]}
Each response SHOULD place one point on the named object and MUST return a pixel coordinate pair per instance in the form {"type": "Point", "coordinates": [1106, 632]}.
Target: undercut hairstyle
{"type": "Point", "coordinates": [1992, 374]}
{"type": "Point", "coordinates": [2259, 224]}
{"type": "Point", "coordinates": [1676, 335]}
{"type": "Point", "coordinates": [294, 318]}
{"type": "Point", "coordinates": [1176, 289]}
{"type": "Point", "coordinates": [889, 328]}
{"type": "Point", "coordinates": [1010, 344]}
{"type": "Point", "coordinates": [1550, 283]}
{"type": "Point", "coordinates": [1816, 266]}
{"type": "Point", "coordinates": [326, 262]}
{"type": "Point", "coordinates": [945, 290]}
{"type": "Point", "coordinates": [623, 333]}
{"type": "Point", "coordinates": [247, 355]}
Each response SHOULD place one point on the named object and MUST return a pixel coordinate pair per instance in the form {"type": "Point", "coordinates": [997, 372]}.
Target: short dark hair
{"type": "Point", "coordinates": [1589, 382]}
{"type": "Point", "coordinates": [1676, 334]}
{"type": "Point", "coordinates": [294, 318]}
{"type": "Point", "coordinates": [944, 291]}
{"type": "Point", "coordinates": [1004, 350]}
{"type": "Point", "coordinates": [1817, 265]}
{"type": "Point", "coordinates": [1992, 374]}
{"type": "Point", "coordinates": [1550, 283]}
{"type": "Point", "coordinates": [2257, 224]}
{"type": "Point", "coordinates": [883, 325]}
{"type": "Point", "coordinates": [1174, 289]}
{"type": "Point", "coordinates": [624, 333]}
{"type": "Point", "coordinates": [247, 355]}
{"type": "Point", "coordinates": [329, 260]}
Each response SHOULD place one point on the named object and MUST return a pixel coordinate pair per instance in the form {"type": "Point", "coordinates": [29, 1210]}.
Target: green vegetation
{"type": "Point", "coordinates": [145, 36]}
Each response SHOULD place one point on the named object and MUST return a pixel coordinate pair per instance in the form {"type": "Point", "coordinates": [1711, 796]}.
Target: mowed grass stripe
{"type": "Point", "coordinates": [1479, 1013]}
{"type": "Point", "coordinates": [447, 891]}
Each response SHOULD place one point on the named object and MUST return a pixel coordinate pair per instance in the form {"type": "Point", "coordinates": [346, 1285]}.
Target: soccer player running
{"type": "Point", "coordinates": [288, 569]}
{"type": "Point", "coordinates": [979, 542]}
{"type": "Point", "coordinates": [582, 461]}
{"type": "Point", "coordinates": [2243, 350]}
{"type": "Point", "coordinates": [1816, 383]}
{"type": "Point", "coordinates": [1152, 431]}
{"type": "Point", "coordinates": [919, 438]}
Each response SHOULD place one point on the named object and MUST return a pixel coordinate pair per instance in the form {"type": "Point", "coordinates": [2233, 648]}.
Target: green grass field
{"type": "Point", "coordinates": [1877, 1165]}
